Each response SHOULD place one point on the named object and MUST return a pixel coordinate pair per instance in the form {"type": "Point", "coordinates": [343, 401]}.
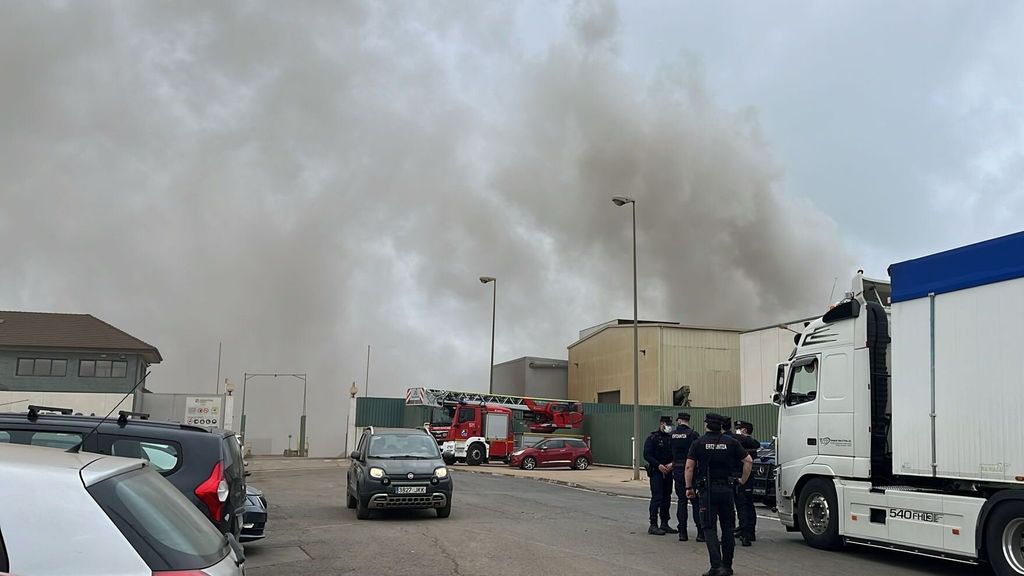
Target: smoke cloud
{"type": "Point", "coordinates": [298, 181]}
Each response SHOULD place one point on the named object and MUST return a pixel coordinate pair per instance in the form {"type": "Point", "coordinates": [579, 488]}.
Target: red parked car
{"type": "Point", "coordinates": [569, 452]}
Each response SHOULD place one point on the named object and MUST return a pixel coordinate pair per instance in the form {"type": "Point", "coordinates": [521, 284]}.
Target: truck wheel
{"type": "Point", "coordinates": [1004, 539]}
{"type": "Point", "coordinates": [818, 513]}
{"type": "Point", "coordinates": [475, 454]}
{"type": "Point", "coordinates": [529, 463]}
{"type": "Point", "coordinates": [362, 509]}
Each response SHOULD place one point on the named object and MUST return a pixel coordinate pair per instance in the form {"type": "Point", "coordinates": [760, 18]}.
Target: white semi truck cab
{"type": "Point", "coordinates": [900, 411]}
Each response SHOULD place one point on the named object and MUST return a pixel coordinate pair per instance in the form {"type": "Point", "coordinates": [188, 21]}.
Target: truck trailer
{"type": "Point", "coordinates": [900, 411]}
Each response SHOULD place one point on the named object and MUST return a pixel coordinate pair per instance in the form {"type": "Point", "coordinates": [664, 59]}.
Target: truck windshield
{"type": "Point", "coordinates": [442, 416]}
{"type": "Point", "coordinates": [397, 446]}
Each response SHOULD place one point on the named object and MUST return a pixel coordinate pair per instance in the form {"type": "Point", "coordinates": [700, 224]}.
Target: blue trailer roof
{"type": "Point", "coordinates": [965, 267]}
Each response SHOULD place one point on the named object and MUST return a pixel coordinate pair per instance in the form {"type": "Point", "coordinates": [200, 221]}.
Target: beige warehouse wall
{"type": "Point", "coordinates": [761, 351]}
{"type": "Point", "coordinates": [708, 361]}
{"type": "Point", "coordinates": [604, 363]}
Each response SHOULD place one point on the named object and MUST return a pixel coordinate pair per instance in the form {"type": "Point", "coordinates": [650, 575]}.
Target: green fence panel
{"type": "Point", "coordinates": [610, 426]}
{"type": "Point", "coordinates": [383, 412]}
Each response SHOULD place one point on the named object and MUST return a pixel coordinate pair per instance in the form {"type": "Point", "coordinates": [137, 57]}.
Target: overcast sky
{"type": "Point", "coordinates": [299, 180]}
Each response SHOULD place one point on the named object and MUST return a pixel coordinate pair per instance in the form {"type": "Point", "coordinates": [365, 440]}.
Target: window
{"type": "Point", "coordinates": [42, 367]}
{"type": "Point", "coordinates": [166, 530]}
{"type": "Point", "coordinates": [608, 397]}
{"type": "Point", "coordinates": [466, 415]}
{"type": "Point", "coordinates": [102, 368]}
{"type": "Point", "coordinates": [576, 443]}
{"type": "Point", "coordinates": [162, 457]}
{"type": "Point", "coordinates": [803, 383]}
{"type": "Point", "coordinates": [555, 444]}
{"type": "Point", "coordinates": [399, 446]}
{"type": "Point", "coordinates": [62, 440]}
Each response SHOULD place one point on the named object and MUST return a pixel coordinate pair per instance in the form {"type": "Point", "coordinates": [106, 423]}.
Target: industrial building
{"type": "Point", "coordinates": [534, 377]}
{"type": "Point", "coordinates": [69, 360]}
{"type": "Point", "coordinates": [679, 365]}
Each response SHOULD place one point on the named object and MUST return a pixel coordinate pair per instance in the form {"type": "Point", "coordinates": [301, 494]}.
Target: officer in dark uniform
{"type": "Point", "coordinates": [745, 495]}
{"type": "Point", "coordinates": [658, 454]}
{"type": "Point", "coordinates": [682, 438]}
{"type": "Point", "coordinates": [709, 467]}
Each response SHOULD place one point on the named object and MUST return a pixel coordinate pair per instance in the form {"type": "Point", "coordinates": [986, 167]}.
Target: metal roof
{"type": "Point", "coordinates": [69, 331]}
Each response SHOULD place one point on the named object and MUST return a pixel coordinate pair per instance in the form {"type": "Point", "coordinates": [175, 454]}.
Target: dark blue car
{"type": "Point", "coordinates": [763, 474]}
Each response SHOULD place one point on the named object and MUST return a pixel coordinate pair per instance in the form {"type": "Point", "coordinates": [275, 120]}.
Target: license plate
{"type": "Point", "coordinates": [759, 491]}
{"type": "Point", "coordinates": [410, 489]}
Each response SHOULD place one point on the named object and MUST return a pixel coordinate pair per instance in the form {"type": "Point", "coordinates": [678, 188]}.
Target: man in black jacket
{"type": "Point", "coordinates": [658, 454]}
{"type": "Point", "coordinates": [682, 437]}
{"type": "Point", "coordinates": [745, 496]}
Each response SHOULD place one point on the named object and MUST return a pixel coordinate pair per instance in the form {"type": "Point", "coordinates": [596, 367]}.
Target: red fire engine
{"type": "Point", "coordinates": [481, 428]}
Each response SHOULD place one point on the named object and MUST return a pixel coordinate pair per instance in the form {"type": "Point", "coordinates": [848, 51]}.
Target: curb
{"type": "Point", "coordinates": [565, 483]}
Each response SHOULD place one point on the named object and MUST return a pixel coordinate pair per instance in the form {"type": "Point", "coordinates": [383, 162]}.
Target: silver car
{"type": "Point", "coordinates": [90, 514]}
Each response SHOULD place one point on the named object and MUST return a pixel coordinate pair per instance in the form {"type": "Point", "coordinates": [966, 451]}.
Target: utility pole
{"type": "Point", "coordinates": [366, 390]}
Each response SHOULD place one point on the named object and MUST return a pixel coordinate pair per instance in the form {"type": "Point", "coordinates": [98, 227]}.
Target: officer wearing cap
{"type": "Point", "coordinates": [745, 496]}
{"type": "Point", "coordinates": [709, 466]}
{"type": "Point", "coordinates": [658, 454]}
{"type": "Point", "coordinates": [682, 438]}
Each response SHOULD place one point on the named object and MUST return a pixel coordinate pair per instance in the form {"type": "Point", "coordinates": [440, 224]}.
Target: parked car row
{"type": "Point", "coordinates": [150, 480]}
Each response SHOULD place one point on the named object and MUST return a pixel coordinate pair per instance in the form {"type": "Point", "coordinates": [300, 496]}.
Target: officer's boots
{"type": "Point", "coordinates": [654, 530]}
{"type": "Point", "coordinates": [683, 536]}
{"type": "Point", "coordinates": [744, 539]}
{"type": "Point", "coordinates": [700, 535]}
{"type": "Point", "coordinates": [668, 529]}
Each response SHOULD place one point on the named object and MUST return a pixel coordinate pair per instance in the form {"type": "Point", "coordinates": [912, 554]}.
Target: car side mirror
{"type": "Point", "coordinates": [777, 399]}
{"type": "Point", "coordinates": [354, 455]}
{"type": "Point", "coordinates": [248, 473]}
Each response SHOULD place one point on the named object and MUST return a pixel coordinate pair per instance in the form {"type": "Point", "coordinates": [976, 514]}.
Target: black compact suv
{"type": "Point", "coordinates": [204, 464]}
{"type": "Point", "coordinates": [398, 468]}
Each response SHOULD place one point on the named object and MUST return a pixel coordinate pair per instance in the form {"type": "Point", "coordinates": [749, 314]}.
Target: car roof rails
{"type": "Point", "coordinates": [34, 410]}
{"type": "Point", "coordinates": [124, 415]}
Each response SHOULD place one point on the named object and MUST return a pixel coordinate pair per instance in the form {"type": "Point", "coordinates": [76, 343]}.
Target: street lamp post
{"type": "Point", "coordinates": [494, 309]}
{"type": "Point", "coordinates": [621, 201]}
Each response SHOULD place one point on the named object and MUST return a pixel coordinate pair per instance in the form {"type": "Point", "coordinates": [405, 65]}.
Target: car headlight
{"type": "Point", "coordinates": [376, 473]}
{"type": "Point", "coordinates": [441, 472]}
{"type": "Point", "coordinates": [518, 452]}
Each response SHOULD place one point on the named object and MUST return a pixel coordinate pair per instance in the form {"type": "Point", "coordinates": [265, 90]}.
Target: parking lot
{"type": "Point", "coordinates": [510, 526]}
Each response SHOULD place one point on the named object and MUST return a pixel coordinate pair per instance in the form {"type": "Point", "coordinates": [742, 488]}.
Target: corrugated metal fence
{"type": "Point", "coordinates": [610, 426]}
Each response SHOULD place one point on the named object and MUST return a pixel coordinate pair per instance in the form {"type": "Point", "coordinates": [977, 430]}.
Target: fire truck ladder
{"type": "Point", "coordinates": [439, 397]}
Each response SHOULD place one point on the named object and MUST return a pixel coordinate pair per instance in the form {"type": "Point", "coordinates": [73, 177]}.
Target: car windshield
{"type": "Point", "coordinates": [403, 446]}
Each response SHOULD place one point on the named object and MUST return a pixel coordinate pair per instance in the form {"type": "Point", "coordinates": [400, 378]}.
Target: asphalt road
{"type": "Point", "coordinates": [508, 526]}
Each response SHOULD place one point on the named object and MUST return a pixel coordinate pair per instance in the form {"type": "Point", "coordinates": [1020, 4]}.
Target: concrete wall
{"type": "Point", "coordinates": [71, 382]}
{"type": "Point", "coordinates": [86, 403]}
{"type": "Point", "coordinates": [532, 376]}
{"type": "Point", "coordinates": [760, 351]}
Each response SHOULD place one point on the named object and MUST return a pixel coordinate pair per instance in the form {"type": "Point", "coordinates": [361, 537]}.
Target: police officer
{"type": "Point", "coordinates": [658, 454]}
{"type": "Point", "coordinates": [745, 495]}
{"type": "Point", "coordinates": [709, 465]}
{"type": "Point", "coordinates": [682, 438]}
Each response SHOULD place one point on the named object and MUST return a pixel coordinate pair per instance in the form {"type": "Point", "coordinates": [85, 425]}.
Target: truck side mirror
{"type": "Point", "coordinates": [780, 376]}
{"type": "Point", "coordinates": [777, 399]}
